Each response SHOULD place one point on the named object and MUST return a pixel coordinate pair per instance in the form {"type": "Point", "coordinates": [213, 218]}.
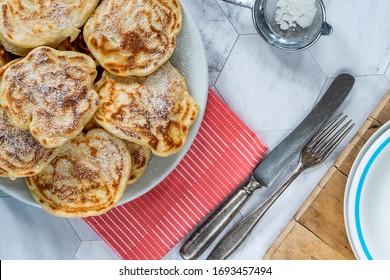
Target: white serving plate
{"type": "Point", "coordinates": [367, 199]}
{"type": "Point", "coordinates": [190, 59]}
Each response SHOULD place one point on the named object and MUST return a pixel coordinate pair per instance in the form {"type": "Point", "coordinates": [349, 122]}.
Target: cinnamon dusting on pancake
{"type": "Point", "coordinates": [133, 37]}
{"type": "Point", "coordinates": [87, 178]}
{"type": "Point", "coordinates": [51, 93]}
{"type": "Point", "coordinates": [155, 111]}
{"type": "Point", "coordinates": [20, 154]}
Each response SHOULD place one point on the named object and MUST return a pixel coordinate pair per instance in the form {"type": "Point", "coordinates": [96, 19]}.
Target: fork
{"type": "Point", "coordinates": [318, 148]}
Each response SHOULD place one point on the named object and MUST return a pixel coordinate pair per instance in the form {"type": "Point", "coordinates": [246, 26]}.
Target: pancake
{"type": "Point", "coordinates": [20, 154]}
{"type": "Point", "coordinates": [91, 125]}
{"type": "Point", "coordinates": [5, 66]}
{"type": "Point", "coordinates": [5, 56]}
{"type": "Point", "coordinates": [140, 156]}
{"type": "Point", "coordinates": [77, 45]}
{"type": "Point", "coordinates": [154, 111]}
{"type": "Point", "coordinates": [50, 92]}
{"type": "Point", "coordinates": [133, 38]}
{"type": "Point", "coordinates": [87, 178]}
{"type": "Point", "coordinates": [27, 24]}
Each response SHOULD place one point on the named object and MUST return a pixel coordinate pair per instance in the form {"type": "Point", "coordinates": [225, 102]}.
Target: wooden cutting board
{"type": "Point", "coordinates": [317, 231]}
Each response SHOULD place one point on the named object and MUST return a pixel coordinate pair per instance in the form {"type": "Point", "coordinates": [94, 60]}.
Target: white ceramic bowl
{"type": "Point", "coordinates": [190, 59]}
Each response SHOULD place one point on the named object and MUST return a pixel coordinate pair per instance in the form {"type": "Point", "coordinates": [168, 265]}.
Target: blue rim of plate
{"type": "Point", "coordinates": [350, 195]}
{"type": "Point", "coordinates": [360, 186]}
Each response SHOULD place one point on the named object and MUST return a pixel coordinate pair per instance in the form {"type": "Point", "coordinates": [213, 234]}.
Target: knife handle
{"type": "Point", "coordinates": [233, 239]}
{"type": "Point", "coordinates": [209, 230]}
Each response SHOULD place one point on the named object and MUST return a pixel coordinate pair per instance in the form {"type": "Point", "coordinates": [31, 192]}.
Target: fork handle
{"type": "Point", "coordinates": [209, 230]}
{"type": "Point", "coordinates": [233, 239]}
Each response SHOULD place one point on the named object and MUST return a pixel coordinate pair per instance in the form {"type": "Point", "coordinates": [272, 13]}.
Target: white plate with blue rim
{"type": "Point", "coordinates": [367, 199]}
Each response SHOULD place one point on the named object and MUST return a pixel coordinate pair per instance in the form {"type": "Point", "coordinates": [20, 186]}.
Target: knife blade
{"type": "Point", "coordinates": [268, 170]}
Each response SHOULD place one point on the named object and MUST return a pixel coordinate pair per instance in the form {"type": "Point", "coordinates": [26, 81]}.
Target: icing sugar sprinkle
{"type": "Point", "coordinates": [290, 13]}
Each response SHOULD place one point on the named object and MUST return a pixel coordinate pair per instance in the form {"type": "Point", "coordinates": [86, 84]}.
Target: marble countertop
{"type": "Point", "coordinates": [270, 90]}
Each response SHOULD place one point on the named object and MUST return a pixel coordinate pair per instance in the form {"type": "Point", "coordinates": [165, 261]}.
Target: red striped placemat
{"type": "Point", "coordinates": [222, 155]}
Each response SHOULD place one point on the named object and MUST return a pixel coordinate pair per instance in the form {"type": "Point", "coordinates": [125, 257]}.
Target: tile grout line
{"type": "Point", "coordinates": [81, 241]}
{"type": "Point", "coordinates": [74, 230]}
{"type": "Point", "coordinates": [231, 23]}
{"type": "Point", "coordinates": [224, 64]}
{"type": "Point", "coordinates": [250, 34]}
{"type": "Point", "coordinates": [387, 69]}
{"type": "Point", "coordinates": [220, 95]}
{"type": "Point", "coordinates": [234, 44]}
{"type": "Point", "coordinates": [322, 70]}
{"type": "Point", "coordinates": [370, 75]}
{"type": "Point", "coordinates": [226, 17]}
{"type": "Point", "coordinates": [318, 96]}
{"type": "Point", "coordinates": [362, 75]}
{"type": "Point", "coordinates": [78, 248]}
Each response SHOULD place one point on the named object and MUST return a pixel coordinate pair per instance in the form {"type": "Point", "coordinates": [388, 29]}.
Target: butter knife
{"type": "Point", "coordinates": [268, 170]}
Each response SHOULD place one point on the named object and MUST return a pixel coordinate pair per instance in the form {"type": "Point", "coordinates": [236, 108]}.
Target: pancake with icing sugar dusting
{"type": "Point", "coordinates": [50, 92]}
{"type": "Point", "coordinates": [133, 38]}
{"type": "Point", "coordinates": [87, 178]}
{"type": "Point", "coordinates": [140, 156]}
{"type": "Point", "coordinates": [27, 24]}
{"type": "Point", "coordinates": [155, 111]}
{"type": "Point", "coordinates": [20, 154]}
{"type": "Point", "coordinates": [5, 56]}
{"type": "Point", "coordinates": [77, 45]}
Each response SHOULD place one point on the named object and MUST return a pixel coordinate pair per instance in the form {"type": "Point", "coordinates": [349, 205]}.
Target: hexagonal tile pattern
{"type": "Point", "coordinates": [358, 44]}
{"type": "Point", "coordinates": [240, 17]}
{"type": "Point", "coordinates": [218, 34]}
{"type": "Point", "coordinates": [35, 234]}
{"type": "Point", "coordinates": [84, 231]}
{"type": "Point", "coordinates": [270, 90]}
{"type": "Point", "coordinates": [278, 88]}
{"type": "Point", "coordinates": [95, 250]}
{"type": "Point", "coordinates": [213, 88]}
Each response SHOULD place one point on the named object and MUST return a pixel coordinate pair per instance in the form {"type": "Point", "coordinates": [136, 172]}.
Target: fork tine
{"type": "Point", "coordinates": [322, 148]}
{"type": "Point", "coordinates": [336, 142]}
{"type": "Point", "coordinates": [313, 144]}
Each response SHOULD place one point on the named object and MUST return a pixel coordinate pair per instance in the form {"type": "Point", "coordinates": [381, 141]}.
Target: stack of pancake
{"type": "Point", "coordinates": [82, 111]}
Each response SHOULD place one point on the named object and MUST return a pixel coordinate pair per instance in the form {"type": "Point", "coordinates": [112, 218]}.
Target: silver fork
{"type": "Point", "coordinates": [313, 153]}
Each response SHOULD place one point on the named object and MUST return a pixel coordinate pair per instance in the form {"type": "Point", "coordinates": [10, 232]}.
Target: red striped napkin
{"type": "Point", "coordinates": [221, 157]}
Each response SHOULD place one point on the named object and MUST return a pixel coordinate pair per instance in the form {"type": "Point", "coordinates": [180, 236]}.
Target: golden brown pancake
{"type": "Point", "coordinates": [20, 154]}
{"type": "Point", "coordinates": [27, 24]}
{"type": "Point", "coordinates": [5, 66]}
{"type": "Point", "coordinates": [50, 92]}
{"type": "Point", "coordinates": [5, 56]}
{"type": "Point", "coordinates": [91, 125]}
{"type": "Point", "coordinates": [154, 111]}
{"type": "Point", "coordinates": [140, 156]}
{"type": "Point", "coordinates": [77, 45]}
{"type": "Point", "coordinates": [87, 178]}
{"type": "Point", "coordinates": [133, 38]}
